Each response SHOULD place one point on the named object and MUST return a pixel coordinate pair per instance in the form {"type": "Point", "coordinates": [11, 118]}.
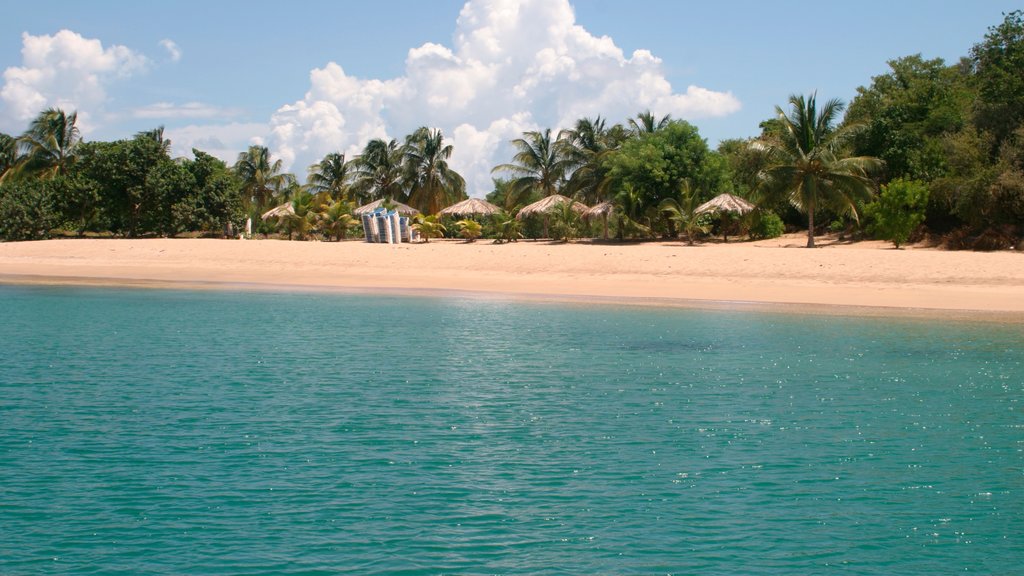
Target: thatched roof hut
{"type": "Point", "coordinates": [602, 210]}
{"type": "Point", "coordinates": [471, 206]}
{"type": "Point", "coordinates": [278, 211]}
{"type": "Point", "coordinates": [725, 203]}
{"type": "Point", "coordinates": [549, 204]}
{"type": "Point", "coordinates": [402, 209]}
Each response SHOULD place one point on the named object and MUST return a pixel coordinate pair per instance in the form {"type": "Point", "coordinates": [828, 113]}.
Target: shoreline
{"type": "Point", "coordinates": [863, 279]}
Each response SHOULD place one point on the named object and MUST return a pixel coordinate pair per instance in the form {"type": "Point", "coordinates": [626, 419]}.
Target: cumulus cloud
{"type": "Point", "coordinates": [514, 65]}
{"type": "Point", "coordinates": [64, 70]}
{"type": "Point", "coordinates": [173, 51]}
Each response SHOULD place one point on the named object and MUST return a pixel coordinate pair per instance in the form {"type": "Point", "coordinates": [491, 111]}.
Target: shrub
{"type": "Point", "coordinates": [469, 229]}
{"type": "Point", "coordinates": [899, 209]}
{"type": "Point", "coordinates": [766, 225]}
{"type": "Point", "coordinates": [26, 210]}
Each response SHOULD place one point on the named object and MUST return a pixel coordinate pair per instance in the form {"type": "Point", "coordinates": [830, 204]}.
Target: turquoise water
{"type": "Point", "coordinates": [160, 432]}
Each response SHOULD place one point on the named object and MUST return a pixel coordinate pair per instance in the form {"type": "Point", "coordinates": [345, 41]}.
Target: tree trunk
{"type": "Point", "coordinates": [810, 227]}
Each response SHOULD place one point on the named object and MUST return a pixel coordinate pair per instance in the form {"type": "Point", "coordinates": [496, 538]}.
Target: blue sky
{"type": "Point", "coordinates": [244, 71]}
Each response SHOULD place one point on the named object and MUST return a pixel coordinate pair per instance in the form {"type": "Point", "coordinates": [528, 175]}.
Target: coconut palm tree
{"type": "Point", "coordinates": [50, 144]}
{"type": "Point", "coordinates": [682, 212]}
{"type": "Point", "coordinates": [540, 164]}
{"type": "Point", "coordinates": [336, 219]}
{"type": "Point", "coordinates": [302, 219]}
{"type": "Point", "coordinates": [330, 175]}
{"type": "Point", "coordinates": [470, 229]}
{"type": "Point", "coordinates": [262, 179]}
{"type": "Point", "coordinates": [157, 135]}
{"type": "Point", "coordinates": [805, 166]}
{"type": "Point", "coordinates": [8, 154]}
{"type": "Point", "coordinates": [587, 145]}
{"type": "Point", "coordinates": [429, 227]}
{"type": "Point", "coordinates": [377, 172]}
{"type": "Point", "coordinates": [432, 184]}
{"type": "Point", "coordinates": [645, 123]}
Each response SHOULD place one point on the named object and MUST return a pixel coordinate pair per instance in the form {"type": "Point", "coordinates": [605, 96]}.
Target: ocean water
{"type": "Point", "coordinates": [173, 432]}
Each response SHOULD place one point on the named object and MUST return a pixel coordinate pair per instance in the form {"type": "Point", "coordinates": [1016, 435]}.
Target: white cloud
{"type": "Point", "coordinates": [167, 110]}
{"type": "Point", "coordinates": [224, 141]}
{"type": "Point", "coordinates": [63, 70]}
{"type": "Point", "coordinates": [173, 51]}
{"type": "Point", "coordinates": [514, 65]}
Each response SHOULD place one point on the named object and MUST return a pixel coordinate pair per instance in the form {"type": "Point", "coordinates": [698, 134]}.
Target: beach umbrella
{"type": "Point", "coordinates": [278, 211]}
{"type": "Point", "coordinates": [725, 203]}
{"type": "Point", "coordinates": [604, 209]}
{"type": "Point", "coordinates": [471, 206]}
{"type": "Point", "coordinates": [547, 205]}
{"type": "Point", "coordinates": [402, 209]}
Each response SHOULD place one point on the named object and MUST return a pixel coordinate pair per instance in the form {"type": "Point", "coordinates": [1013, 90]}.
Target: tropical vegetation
{"type": "Point", "coordinates": [926, 151]}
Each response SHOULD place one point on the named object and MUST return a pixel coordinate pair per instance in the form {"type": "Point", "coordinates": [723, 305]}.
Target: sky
{"type": "Point", "coordinates": [309, 78]}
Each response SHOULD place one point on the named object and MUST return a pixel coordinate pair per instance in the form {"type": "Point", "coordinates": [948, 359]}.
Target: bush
{"type": "Point", "coordinates": [899, 209]}
{"type": "Point", "coordinates": [26, 210]}
{"type": "Point", "coordinates": [766, 225]}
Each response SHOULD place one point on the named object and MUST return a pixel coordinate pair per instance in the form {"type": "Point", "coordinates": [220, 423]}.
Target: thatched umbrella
{"type": "Point", "coordinates": [604, 209]}
{"type": "Point", "coordinates": [547, 205]}
{"type": "Point", "coordinates": [402, 209]}
{"type": "Point", "coordinates": [471, 206]}
{"type": "Point", "coordinates": [726, 203]}
{"type": "Point", "coordinates": [278, 211]}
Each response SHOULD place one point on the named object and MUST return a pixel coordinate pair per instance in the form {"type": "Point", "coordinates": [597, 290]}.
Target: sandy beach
{"type": "Point", "coordinates": [868, 275]}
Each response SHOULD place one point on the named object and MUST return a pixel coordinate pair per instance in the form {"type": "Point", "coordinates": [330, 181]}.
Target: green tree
{"type": "Point", "coordinates": [805, 168]}
{"type": "Point", "coordinates": [539, 165]}
{"type": "Point", "coordinates": [682, 212]}
{"type": "Point", "coordinates": [432, 183]}
{"type": "Point", "coordinates": [587, 147]}
{"type": "Point", "coordinates": [429, 227]}
{"type": "Point", "coordinates": [337, 220]}
{"type": "Point", "coordinates": [469, 229]}
{"type": "Point", "coordinates": [646, 123]}
{"type": "Point", "coordinates": [8, 154]}
{"type": "Point", "coordinates": [262, 178]}
{"type": "Point", "coordinates": [998, 65]}
{"type": "Point", "coordinates": [378, 172]}
{"type": "Point", "coordinates": [50, 144]}
{"type": "Point", "coordinates": [507, 228]}
{"type": "Point", "coordinates": [898, 210]}
{"type": "Point", "coordinates": [217, 203]}
{"type": "Point", "coordinates": [26, 209]}
{"type": "Point", "coordinates": [653, 166]}
{"type": "Point", "coordinates": [330, 175]}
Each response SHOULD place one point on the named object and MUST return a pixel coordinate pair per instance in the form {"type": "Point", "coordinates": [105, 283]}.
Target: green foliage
{"type": "Point", "coordinates": [429, 227]}
{"type": "Point", "coordinates": [507, 228]}
{"type": "Point", "coordinates": [336, 219]}
{"type": "Point", "coordinates": [805, 166]}
{"type": "Point", "coordinates": [539, 166]}
{"type": "Point", "coordinates": [681, 212]}
{"type": "Point", "coordinates": [998, 63]}
{"type": "Point", "coordinates": [50, 144]}
{"type": "Point", "coordinates": [898, 210]}
{"type": "Point", "coordinates": [765, 224]}
{"type": "Point", "coordinates": [469, 229]}
{"type": "Point", "coordinates": [26, 209]}
{"type": "Point", "coordinates": [432, 183]}
{"type": "Point", "coordinates": [564, 222]}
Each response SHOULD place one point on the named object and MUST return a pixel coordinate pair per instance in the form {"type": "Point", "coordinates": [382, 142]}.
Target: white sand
{"type": "Point", "coordinates": [867, 274]}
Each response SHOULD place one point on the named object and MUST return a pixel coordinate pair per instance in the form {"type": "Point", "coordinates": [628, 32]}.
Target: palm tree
{"type": "Point", "coordinates": [8, 154]}
{"type": "Point", "coordinates": [336, 219]}
{"type": "Point", "coordinates": [682, 211]}
{"type": "Point", "coordinates": [157, 135]}
{"type": "Point", "coordinates": [433, 185]}
{"type": "Point", "coordinates": [330, 175]}
{"type": "Point", "coordinates": [303, 216]}
{"type": "Point", "coordinates": [262, 178]}
{"type": "Point", "coordinates": [803, 164]}
{"type": "Point", "coordinates": [469, 229]}
{"type": "Point", "coordinates": [51, 142]}
{"type": "Point", "coordinates": [645, 123]}
{"type": "Point", "coordinates": [507, 228]}
{"type": "Point", "coordinates": [540, 164]}
{"type": "Point", "coordinates": [429, 227]}
{"type": "Point", "coordinates": [377, 172]}
{"type": "Point", "coordinates": [587, 145]}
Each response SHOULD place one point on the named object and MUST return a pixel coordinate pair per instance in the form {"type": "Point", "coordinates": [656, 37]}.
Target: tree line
{"type": "Point", "coordinates": [926, 150]}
